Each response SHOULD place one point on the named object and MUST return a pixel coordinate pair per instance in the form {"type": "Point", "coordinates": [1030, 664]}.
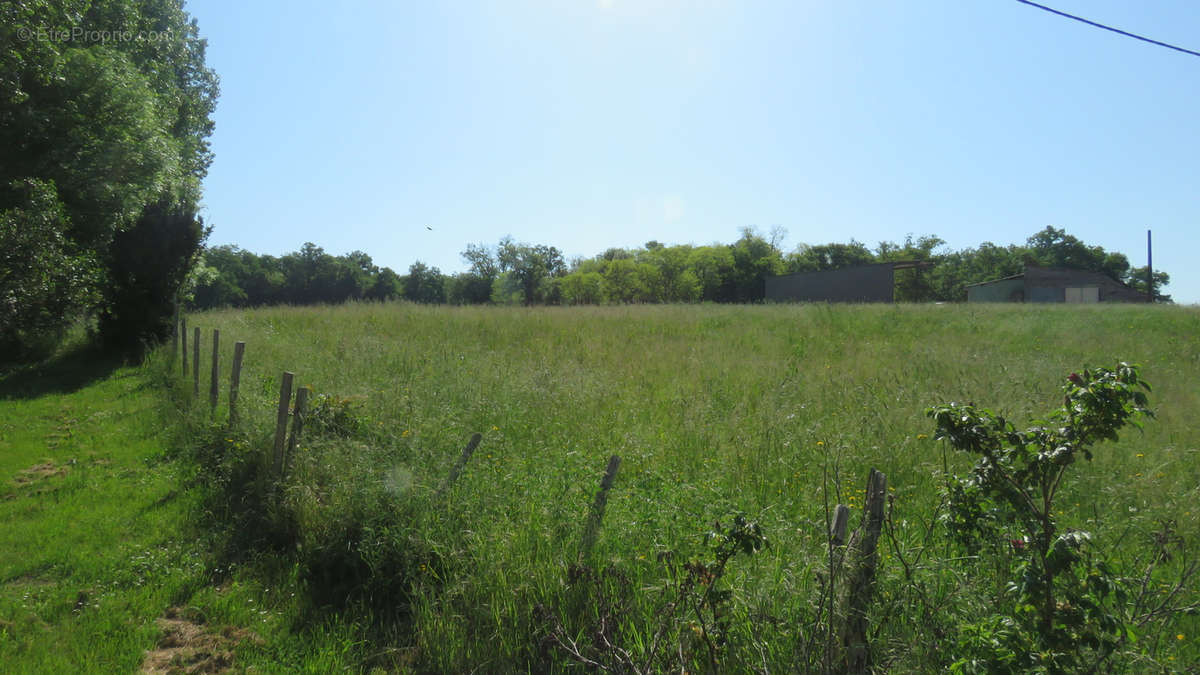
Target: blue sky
{"type": "Point", "coordinates": [599, 123]}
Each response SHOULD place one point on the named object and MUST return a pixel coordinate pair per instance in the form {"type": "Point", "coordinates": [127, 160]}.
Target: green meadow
{"type": "Point", "coordinates": [363, 556]}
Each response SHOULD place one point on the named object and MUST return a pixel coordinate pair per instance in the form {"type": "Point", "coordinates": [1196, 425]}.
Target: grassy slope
{"type": "Point", "coordinates": [101, 536]}
{"type": "Point", "coordinates": [714, 410]}
{"type": "Point", "coordinates": [92, 544]}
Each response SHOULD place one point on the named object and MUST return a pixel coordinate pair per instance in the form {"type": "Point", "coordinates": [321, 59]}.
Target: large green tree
{"type": "Point", "coordinates": [533, 268]}
{"type": "Point", "coordinates": [43, 275]}
{"type": "Point", "coordinates": [105, 110]}
{"type": "Point", "coordinates": [474, 286]}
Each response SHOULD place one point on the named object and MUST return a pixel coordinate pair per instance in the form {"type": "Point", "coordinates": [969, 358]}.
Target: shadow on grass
{"type": "Point", "coordinates": [65, 373]}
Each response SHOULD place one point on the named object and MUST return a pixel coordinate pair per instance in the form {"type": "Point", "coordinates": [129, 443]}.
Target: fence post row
{"type": "Point", "coordinates": [597, 513]}
{"type": "Point", "coordinates": [859, 553]}
{"type": "Point", "coordinates": [196, 361]}
{"type": "Point", "coordinates": [216, 374]}
{"type": "Point", "coordinates": [281, 420]}
{"type": "Point", "coordinates": [235, 377]}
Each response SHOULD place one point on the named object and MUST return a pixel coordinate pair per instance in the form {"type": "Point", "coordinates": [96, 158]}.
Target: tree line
{"type": "Point", "coordinates": [519, 273]}
{"type": "Point", "coordinates": [103, 146]}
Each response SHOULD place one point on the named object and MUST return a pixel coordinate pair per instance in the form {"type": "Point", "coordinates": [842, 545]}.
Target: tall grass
{"type": "Point", "coordinates": [771, 411]}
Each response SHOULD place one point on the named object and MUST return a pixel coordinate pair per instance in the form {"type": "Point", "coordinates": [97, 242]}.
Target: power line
{"type": "Point", "coordinates": [1110, 28]}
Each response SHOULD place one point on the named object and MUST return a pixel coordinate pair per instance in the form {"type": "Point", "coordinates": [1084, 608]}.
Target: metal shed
{"type": "Point", "coordinates": [1054, 284]}
{"type": "Point", "coordinates": [864, 283]}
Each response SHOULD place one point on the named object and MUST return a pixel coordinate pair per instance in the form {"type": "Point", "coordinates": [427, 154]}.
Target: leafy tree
{"type": "Point", "coordinates": [1053, 247]}
{"type": "Point", "coordinates": [1136, 278]}
{"type": "Point", "coordinates": [622, 282]}
{"type": "Point", "coordinates": [958, 269]}
{"type": "Point", "coordinates": [827, 257]}
{"type": "Point", "coordinates": [582, 288]}
{"type": "Point", "coordinates": [913, 284]}
{"type": "Point", "coordinates": [302, 271]}
{"type": "Point", "coordinates": [754, 259]}
{"type": "Point", "coordinates": [352, 276]}
{"type": "Point", "coordinates": [529, 266]}
{"type": "Point", "coordinates": [147, 265]}
{"type": "Point", "coordinates": [673, 281]}
{"type": "Point", "coordinates": [114, 133]}
{"type": "Point", "coordinates": [713, 267]}
{"type": "Point", "coordinates": [475, 286]}
{"type": "Point", "coordinates": [1115, 265]}
{"type": "Point", "coordinates": [386, 286]}
{"type": "Point", "coordinates": [506, 290]}
{"type": "Point", "coordinates": [616, 254]}
{"type": "Point", "coordinates": [203, 277]}
{"type": "Point", "coordinates": [424, 284]}
{"type": "Point", "coordinates": [43, 275]}
{"type": "Point", "coordinates": [481, 260]}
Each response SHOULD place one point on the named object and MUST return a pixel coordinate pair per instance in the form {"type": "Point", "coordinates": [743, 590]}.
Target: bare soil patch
{"type": "Point", "coordinates": [39, 472]}
{"type": "Point", "coordinates": [188, 646]}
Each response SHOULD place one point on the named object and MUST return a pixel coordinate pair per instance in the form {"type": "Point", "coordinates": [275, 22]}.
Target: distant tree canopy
{"type": "Point", "coordinates": [520, 273]}
{"type": "Point", "coordinates": [103, 144]}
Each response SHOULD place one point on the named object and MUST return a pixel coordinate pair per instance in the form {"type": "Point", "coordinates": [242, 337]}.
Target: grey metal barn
{"type": "Point", "coordinates": [1054, 284]}
{"type": "Point", "coordinates": [864, 283]}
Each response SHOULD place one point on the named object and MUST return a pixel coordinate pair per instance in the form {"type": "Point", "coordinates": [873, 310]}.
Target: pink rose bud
{"type": "Point", "coordinates": [1075, 379]}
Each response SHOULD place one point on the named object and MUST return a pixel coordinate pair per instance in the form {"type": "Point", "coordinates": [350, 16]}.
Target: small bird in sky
{"type": "Point", "coordinates": [429, 228]}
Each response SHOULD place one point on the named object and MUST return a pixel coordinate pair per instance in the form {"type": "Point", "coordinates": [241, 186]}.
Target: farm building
{"type": "Point", "coordinates": [865, 283]}
{"type": "Point", "coordinates": [1054, 284]}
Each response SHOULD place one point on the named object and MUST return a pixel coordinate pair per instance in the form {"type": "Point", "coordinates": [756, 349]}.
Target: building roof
{"type": "Point", "coordinates": [895, 265]}
{"type": "Point", "coordinates": [994, 281]}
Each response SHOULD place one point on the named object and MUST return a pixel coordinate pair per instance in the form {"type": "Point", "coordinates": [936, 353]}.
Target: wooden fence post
{"type": "Point", "coordinates": [235, 377]}
{"type": "Point", "coordinates": [175, 334]}
{"type": "Point", "coordinates": [183, 331]}
{"type": "Point", "coordinates": [216, 374]}
{"type": "Point", "coordinates": [837, 532]}
{"type": "Point", "coordinates": [462, 461]}
{"type": "Point", "coordinates": [861, 583]}
{"type": "Point", "coordinates": [597, 512]}
{"type": "Point", "coordinates": [281, 420]}
{"type": "Point", "coordinates": [196, 361]}
{"type": "Point", "coordinates": [297, 427]}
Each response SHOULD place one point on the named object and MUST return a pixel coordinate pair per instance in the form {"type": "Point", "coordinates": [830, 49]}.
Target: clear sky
{"type": "Point", "coordinates": [596, 123]}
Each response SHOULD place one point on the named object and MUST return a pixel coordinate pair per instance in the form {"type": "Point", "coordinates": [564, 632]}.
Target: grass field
{"type": "Point", "coordinates": [94, 544]}
{"type": "Point", "coordinates": [771, 411]}
{"type": "Point", "coordinates": [775, 412]}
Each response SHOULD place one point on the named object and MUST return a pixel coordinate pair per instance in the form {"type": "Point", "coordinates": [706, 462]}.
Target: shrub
{"type": "Point", "coordinates": [1062, 615]}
